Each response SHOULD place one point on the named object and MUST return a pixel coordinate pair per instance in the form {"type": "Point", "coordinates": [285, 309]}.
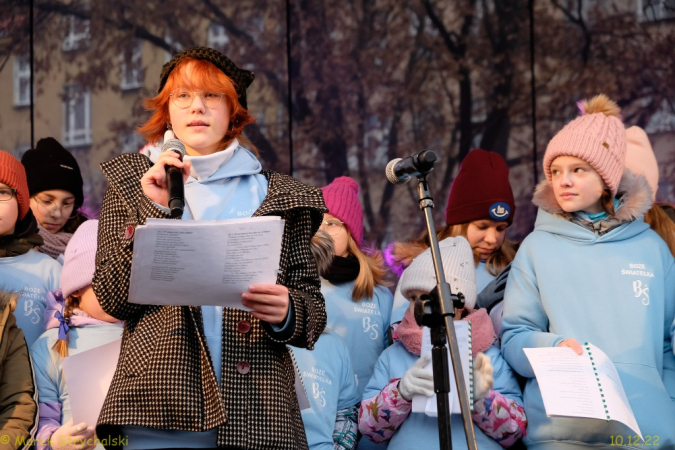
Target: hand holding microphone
{"type": "Point", "coordinates": [164, 182]}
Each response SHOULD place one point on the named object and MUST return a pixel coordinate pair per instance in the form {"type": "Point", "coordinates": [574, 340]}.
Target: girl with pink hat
{"type": "Point", "coordinates": [358, 304]}
{"type": "Point", "coordinates": [593, 271]}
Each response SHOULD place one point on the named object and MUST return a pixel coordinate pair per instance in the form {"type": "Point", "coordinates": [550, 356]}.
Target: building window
{"type": "Point", "coordinates": [656, 10]}
{"type": "Point", "coordinates": [131, 76]}
{"type": "Point", "coordinates": [76, 116]}
{"type": "Point", "coordinates": [216, 37]}
{"type": "Point", "coordinates": [21, 81]}
{"type": "Point", "coordinates": [78, 34]}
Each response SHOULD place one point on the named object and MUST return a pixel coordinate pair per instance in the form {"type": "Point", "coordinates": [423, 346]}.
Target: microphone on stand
{"type": "Point", "coordinates": [400, 170]}
{"type": "Point", "coordinates": [174, 176]}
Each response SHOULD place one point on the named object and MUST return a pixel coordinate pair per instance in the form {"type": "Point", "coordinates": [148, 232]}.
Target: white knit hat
{"type": "Point", "coordinates": [80, 258]}
{"type": "Point", "coordinates": [458, 266]}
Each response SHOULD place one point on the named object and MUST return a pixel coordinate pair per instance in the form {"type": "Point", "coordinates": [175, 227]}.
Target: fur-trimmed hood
{"type": "Point", "coordinates": [8, 298]}
{"type": "Point", "coordinates": [634, 194]}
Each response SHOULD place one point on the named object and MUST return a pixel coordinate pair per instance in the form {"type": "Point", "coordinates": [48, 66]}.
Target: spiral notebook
{"type": "Point", "coordinates": [586, 385]}
{"type": "Point", "coordinates": [427, 405]}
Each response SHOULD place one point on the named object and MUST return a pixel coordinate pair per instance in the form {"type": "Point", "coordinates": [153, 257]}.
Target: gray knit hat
{"type": "Point", "coordinates": [458, 266]}
{"type": "Point", "coordinates": [242, 78]}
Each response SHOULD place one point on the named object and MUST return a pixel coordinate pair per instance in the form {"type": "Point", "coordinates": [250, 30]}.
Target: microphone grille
{"type": "Point", "coordinates": [174, 145]}
{"type": "Point", "coordinates": [391, 174]}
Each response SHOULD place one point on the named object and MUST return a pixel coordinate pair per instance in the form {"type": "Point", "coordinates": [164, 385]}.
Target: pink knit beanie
{"type": "Point", "coordinates": [342, 201]}
{"type": "Point", "coordinates": [640, 158]}
{"type": "Point", "coordinates": [597, 136]}
{"type": "Point", "coordinates": [458, 266]}
{"type": "Point", "coordinates": [80, 258]}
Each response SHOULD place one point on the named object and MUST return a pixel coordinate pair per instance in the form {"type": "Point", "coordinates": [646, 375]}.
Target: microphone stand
{"type": "Point", "coordinates": [437, 313]}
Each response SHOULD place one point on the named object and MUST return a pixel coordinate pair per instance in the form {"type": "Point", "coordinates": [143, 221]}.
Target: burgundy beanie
{"type": "Point", "coordinates": [342, 201]}
{"type": "Point", "coordinates": [597, 136]}
{"type": "Point", "coordinates": [481, 190]}
{"type": "Point", "coordinates": [13, 174]}
{"type": "Point", "coordinates": [80, 258]}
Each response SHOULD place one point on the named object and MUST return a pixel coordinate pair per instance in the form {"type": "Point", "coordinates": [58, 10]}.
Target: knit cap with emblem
{"type": "Point", "coordinates": [458, 267]}
{"type": "Point", "coordinates": [597, 136]}
{"type": "Point", "coordinates": [481, 190]}
{"type": "Point", "coordinates": [342, 201]}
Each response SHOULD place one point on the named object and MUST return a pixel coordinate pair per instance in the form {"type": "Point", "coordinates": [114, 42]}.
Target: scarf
{"type": "Point", "coordinates": [343, 269]}
{"type": "Point", "coordinates": [482, 332]}
{"type": "Point", "coordinates": [54, 244]}
{"type": "Point", "coordinates": [24, 238]}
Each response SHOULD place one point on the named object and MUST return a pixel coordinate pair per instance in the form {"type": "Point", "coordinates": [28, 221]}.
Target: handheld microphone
{"type": "Point", "coordinates": [400, 170]}
{"type": "Point", "coordinates": [174, 176]}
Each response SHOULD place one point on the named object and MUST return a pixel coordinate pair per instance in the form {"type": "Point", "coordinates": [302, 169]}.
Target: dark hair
{"type": "Point", "coordinates": [607, 202]}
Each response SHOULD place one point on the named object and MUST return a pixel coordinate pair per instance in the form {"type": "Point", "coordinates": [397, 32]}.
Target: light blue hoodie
{"type": "Point", "coordinates": [615, 290]}
{"type": "Point", "coordinates": [362, 325]}
{"type": "Point", "coordinates": [32, 275]}
{"type": "Point", "coordinates": [329, 380]}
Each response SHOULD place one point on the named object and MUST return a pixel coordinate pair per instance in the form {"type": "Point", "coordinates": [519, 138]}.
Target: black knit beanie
{"type": "Point", "coordinates": [50, 166]}
{"type": "Point", "coordinates": [242, 78]}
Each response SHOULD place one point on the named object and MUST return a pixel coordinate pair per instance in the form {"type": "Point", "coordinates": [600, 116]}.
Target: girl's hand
{"type": "Point", "coordinates": [269, 302]}
{"type": "Point", "coordinates": [483, 376]}
{"type": "Point", "coordinates": [573, 344]}
{"type": "Point", "coordinates": [154, 181]}
{"type": "Point", "coordinates": [417, 380]}
{"type": "Point", "coordinates": [73, 437]}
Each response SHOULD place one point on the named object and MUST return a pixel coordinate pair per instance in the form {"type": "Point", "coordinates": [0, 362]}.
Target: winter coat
{"type": "Point", "coordinates": [18, 399]}
{"type": "Point", "coordinates": [256, 407]}
{"type": "Point", "coordinates": [610, 283]}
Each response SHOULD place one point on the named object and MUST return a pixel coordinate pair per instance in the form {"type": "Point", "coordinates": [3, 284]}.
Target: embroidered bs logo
{"type": "Point", "coordinates": [372, 327]}
{"type": "Point", "coordinates": [641, 291]}
{"type": "Point", "coordinates": [319, 394]}
{"type": "Point", "coordinates": [500, 211]}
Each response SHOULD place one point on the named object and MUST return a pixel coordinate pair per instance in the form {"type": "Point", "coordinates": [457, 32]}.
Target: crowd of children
{"type": "Point", "coordinates": [597, 268]}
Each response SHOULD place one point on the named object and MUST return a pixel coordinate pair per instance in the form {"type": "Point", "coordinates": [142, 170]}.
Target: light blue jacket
{"type": "Point", "coordinates": [615, 290]}
{"type": "Point", "coordinates": [329, 380]}
{"type": "Point", "coordinates": [420, 431]}
{"type": "Point", "coordinates": [362, 325]}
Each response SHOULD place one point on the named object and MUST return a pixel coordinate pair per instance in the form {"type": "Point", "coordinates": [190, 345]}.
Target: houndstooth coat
{"type": "Point", "coordinates": [165, 378]}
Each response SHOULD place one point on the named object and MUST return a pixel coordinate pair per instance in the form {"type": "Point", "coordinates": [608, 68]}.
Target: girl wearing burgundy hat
{"type": "Point", "coordinates": [480, 208]}
{"type": "Point", "coordinates": [358, 303]}
{"type": "Point", "coordinates": [29, 273]}
{"type": "Point", "coordinates": [210, 376]}
{"type": "Point", "coordinates": [593, 271]}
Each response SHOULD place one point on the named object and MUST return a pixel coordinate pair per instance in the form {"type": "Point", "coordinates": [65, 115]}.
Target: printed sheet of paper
{"type": "Point", "coordinates": [193, 262]}
{"type": "Point", "coordinates": [569, 386]}
{"type": "Point", "coordinates": [91, 372]}
{"type": "Point", "coordinates": [428, 405]}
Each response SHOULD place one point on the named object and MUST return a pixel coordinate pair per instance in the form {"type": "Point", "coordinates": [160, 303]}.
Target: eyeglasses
{"type": "Point", "coordinates": [183, 98]}
{"type": "Point", "coordinates": [332, 226]}
{"type": "Point", "coordinates": [7, 193]}
{"type": "Point", "coordinates": [49, 207]}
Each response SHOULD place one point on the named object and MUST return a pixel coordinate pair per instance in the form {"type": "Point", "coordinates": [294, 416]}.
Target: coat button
{"type": "Point", "coordinates": [129, 232]}
{"type": "Point", "coordinates": [244, 326]}
{"type": "Point", "coordinates": [243, 367]}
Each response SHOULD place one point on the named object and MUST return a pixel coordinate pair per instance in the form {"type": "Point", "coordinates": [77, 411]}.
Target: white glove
{"type": "Point", "coordinates": [71, 437]}
{"type": "Point", "coordinates": [417, 380]}
{"type": "Point", "coordinates": [483, 380]}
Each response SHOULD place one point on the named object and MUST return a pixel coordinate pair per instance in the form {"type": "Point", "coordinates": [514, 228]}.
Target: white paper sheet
{"type": "Point", "coordinates": [195, 262]}
{"type": "Point", "coordinates": [569, 386]}
{"type": "Point", "coordinates": [88, 376]}
{"type": "Point", "coordinates": [428, 405]}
